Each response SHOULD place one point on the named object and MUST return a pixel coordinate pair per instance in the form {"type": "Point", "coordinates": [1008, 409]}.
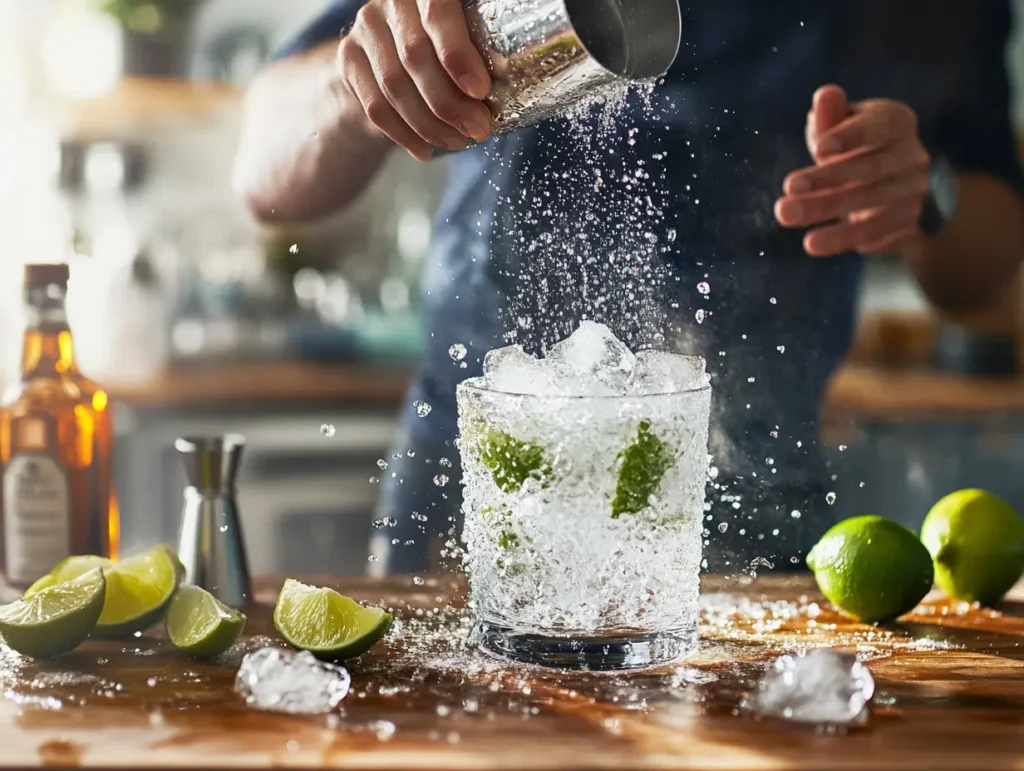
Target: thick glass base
{"type": "Point", "coordinates": [609, 653]}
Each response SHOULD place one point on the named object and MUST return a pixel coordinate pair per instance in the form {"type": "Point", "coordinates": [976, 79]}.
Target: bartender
{"type": "Point", "coordinates": [765, 185]}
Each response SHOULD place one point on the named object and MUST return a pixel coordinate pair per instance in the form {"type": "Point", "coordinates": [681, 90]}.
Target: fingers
{"type": "Point", "coordinates": [875, 231]}
{"type": "Point", "coordinates": [359, 78]}
{"type": "Point", "coordinates": [445, 23]}
{"type": "Point", "coordinates": [444, 99]}
{"type": "Point", "coordinates": [374, 35]}
{"type": "Point", "coordinates": [871, 127]}
{"type": "Point", "coordinates": [835, 203]}
{"type": "Point", "coordinates": [861, 168]}
{"type": "Point", "coordinates": [829, 107]}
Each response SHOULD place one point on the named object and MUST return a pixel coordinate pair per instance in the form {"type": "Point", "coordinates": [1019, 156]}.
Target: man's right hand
{"type": "Point", "coordinates": [414, 69]}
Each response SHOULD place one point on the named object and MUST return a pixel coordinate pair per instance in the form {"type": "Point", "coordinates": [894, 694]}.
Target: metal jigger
{"type": "Point", "coordinates": [212, 546]}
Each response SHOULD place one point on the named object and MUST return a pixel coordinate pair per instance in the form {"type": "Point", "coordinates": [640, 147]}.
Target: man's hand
{"type": "Point", "coordinates": [414, 69]}
{"type": "Point", "coordinates": [867, 188]}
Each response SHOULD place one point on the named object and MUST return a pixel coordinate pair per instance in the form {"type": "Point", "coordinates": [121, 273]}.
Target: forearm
{"type": "Point", "coordinates": [306, 149]}
{"type": "Point", "coordinates": [978, 253]}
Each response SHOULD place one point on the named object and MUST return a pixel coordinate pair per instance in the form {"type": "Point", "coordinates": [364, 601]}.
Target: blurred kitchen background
{"type": "Point", "coordinates": [118, 123]}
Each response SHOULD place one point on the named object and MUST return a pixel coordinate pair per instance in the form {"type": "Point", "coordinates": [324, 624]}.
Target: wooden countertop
{"type": "Point", "coordinates": [950, 695]}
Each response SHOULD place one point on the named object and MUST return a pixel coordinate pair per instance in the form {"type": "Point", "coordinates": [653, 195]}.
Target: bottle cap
{"type": "Point", "coordinates": [41, 274]}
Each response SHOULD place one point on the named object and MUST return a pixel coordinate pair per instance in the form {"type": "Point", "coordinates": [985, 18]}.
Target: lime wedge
{"type": "Point", "coordinates": [325, 623]}
{"type": "Point", "coordinates": [198, 624]}
{"type": "Point", "coordinates": [55, 620]}
{"type": "Point", "coordinates": [70, 567]}
{"type": "Point", "coordinates": [138, 588]}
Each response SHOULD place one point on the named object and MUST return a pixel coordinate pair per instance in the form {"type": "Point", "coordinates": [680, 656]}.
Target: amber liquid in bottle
{"type": "Point", "coordinates": [49, 507]}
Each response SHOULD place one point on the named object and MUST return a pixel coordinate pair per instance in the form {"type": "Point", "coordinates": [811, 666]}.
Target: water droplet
{"type": "Point", "coordinates": [382, 464]}
{"type": "Point", "coordinates": [372, 558]}
{"type": "Point", "coordinates": [374, 480]}
{"type": "Point", "coordinates": [422, 408]}
{"type": "Point", "coordinates": [457, 352]}
{"type": "Point", "coordinates": [751, 379]}
{"type": "Point", "coordinates": [440, 480]}
{"type": "Point", "coordinates": [671, 235]}
{"type": "Point", "coordinates": [830, 498]}
{"type": "Point", "coordinates": [418, 581]}
{"type": "Point", "coordinates": [704, 288]}
{"type": "Point", "coordinates": [699, 315]}
{"type": "Point", "coordinates": [781, 348]}
{"type": "Point", "coordinates": [713, 472]}
{"type": "Point", "coordinates": [723, 527]}
{"type": "Point", "coordinates": [445, 462]}
{"type": "Point", "coordinates": [842, 448]}
{"type": "Point", "coordinates": [773, 301]}
{"type": "Point", "coordinates": [294, 248]}
{"type": "Point", "coordinates": [411, 453]}
{"type": "Point", "coordinates": [223, 528]}
{"type": "Point", "coordinates": [773, 434]}
{"type": "Point", "coordinates": [795, 514]}
{"type": "Point", "coordinates": [770, 461]}
{"type": "Point", "coordinates": [861, 484]}
{"type": "Point", "coordinates": [327, 430]}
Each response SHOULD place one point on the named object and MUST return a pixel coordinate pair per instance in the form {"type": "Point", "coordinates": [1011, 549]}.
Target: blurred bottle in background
{"type": "Point", "coordinates": [54, 428]}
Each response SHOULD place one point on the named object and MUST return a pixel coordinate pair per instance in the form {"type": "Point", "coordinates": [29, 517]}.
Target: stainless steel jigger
{"type": "Point", "coordinates": [212, 546]}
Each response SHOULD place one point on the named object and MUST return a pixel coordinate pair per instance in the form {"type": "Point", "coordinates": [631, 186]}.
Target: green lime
{"type": "Point", "coordinates": [200, 625]}
{"type": "Point", "coordinates": [325, 623]}
{"type": "Point", "coordinates": [55, 620]}
{"type": "Point", "coordinates": [138, 588]}
{"type": "Point", "coordinates": [67, 568]}
{"type": "Point", "coordinates": [977, 543]}
{"type": "Point", "coordinates": [872, 568]}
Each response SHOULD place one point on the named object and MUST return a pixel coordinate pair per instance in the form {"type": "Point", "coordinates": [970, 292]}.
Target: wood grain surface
{"type": "Point", "coordinates": [950, 695]}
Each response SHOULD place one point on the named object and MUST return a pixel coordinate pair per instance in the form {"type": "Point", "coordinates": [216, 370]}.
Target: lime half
{"type": "Point", "coordinates": [55, 620]}
{"type": "Point", "coordinates": [138, 588]}
{"type": "Point", "coordinates": [199, 624]}
{"type": "Point", "coordinates": [327, 624]}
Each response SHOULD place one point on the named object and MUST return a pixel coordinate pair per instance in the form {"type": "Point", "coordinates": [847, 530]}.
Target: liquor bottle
{"type": "Point", "coordinates": [49, 506]}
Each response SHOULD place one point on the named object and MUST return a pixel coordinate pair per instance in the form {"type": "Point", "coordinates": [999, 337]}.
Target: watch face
{"type": "Point", "coordinates": [944, 187]}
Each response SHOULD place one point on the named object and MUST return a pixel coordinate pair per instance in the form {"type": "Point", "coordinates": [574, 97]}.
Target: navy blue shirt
{"type": "Point", "coordinates": [668, 218]}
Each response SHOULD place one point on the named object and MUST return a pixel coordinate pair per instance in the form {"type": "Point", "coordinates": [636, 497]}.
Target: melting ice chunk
{"type": "Point", "coordinates": [297, 683]}
{"type": "Point", "coordinates": [513, 371]}
{"type": "Point", "coordinates": [656, 372]}
{"type": "Point", "coordinates": [593, 357]}
{"type": "Point", "coordinates": [822, 686]}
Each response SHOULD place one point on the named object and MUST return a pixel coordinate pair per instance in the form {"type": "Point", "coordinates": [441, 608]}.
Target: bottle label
{"type": "Point", "coordinates": [37, 517]}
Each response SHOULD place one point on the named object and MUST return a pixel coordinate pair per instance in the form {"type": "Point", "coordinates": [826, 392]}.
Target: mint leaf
{"type": "Point", "coordinates": [511, 461]}
{"type": "Point", "coordinates": [642, 466]}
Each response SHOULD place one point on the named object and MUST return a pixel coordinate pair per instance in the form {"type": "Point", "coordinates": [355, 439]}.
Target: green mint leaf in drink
{"type": "Point", "coordinates": [512, 461]}
{"type": "Point", "coordinates": [642, 465]}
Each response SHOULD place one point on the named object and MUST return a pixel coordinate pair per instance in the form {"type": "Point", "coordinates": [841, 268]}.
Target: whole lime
{"type": "Point", "coordinates": [977, 543]}
{"type": "Point", "coordinates": [872, 568]}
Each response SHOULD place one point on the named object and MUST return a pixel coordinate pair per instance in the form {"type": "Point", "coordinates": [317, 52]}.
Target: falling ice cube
{"type": "Point", "coordinates": [823, 686]}
{"type": "Point", "coordinates": [281, 680]}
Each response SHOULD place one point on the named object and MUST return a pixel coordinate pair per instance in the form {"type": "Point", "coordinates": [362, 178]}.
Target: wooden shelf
{"type": "Point", "coordinates": [138, 104]}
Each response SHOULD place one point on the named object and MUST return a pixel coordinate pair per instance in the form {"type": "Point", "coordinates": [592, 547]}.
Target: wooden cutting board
{"type": "Point", "coordinates": [950, 695]}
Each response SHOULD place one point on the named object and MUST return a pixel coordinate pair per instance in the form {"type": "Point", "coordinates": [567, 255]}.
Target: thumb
{"type": "Point", "coordinates": [829, 108]}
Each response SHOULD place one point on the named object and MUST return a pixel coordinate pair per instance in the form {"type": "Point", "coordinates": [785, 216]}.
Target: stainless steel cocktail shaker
{"type": "Point", "coordinates": [546, 56]}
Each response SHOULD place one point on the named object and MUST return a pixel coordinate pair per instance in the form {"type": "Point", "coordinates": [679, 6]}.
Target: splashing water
{"type": "Point", "coordinates": [457, 352]}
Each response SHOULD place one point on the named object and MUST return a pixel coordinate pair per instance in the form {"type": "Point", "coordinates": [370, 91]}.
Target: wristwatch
{"type": "Point", "coordinates": [943, 194]}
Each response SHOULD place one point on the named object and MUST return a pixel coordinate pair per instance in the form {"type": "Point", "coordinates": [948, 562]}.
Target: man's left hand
{"type": "Point", "coordinates": [867, 188]}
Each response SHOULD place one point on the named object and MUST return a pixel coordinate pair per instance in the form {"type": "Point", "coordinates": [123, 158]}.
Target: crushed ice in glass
{"type": "Point", "coordinates": [285, 681]}
{"type": "Point", "coordinates": [592, 362]}
{"type": "Point", "coordinates": [822, 686]}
